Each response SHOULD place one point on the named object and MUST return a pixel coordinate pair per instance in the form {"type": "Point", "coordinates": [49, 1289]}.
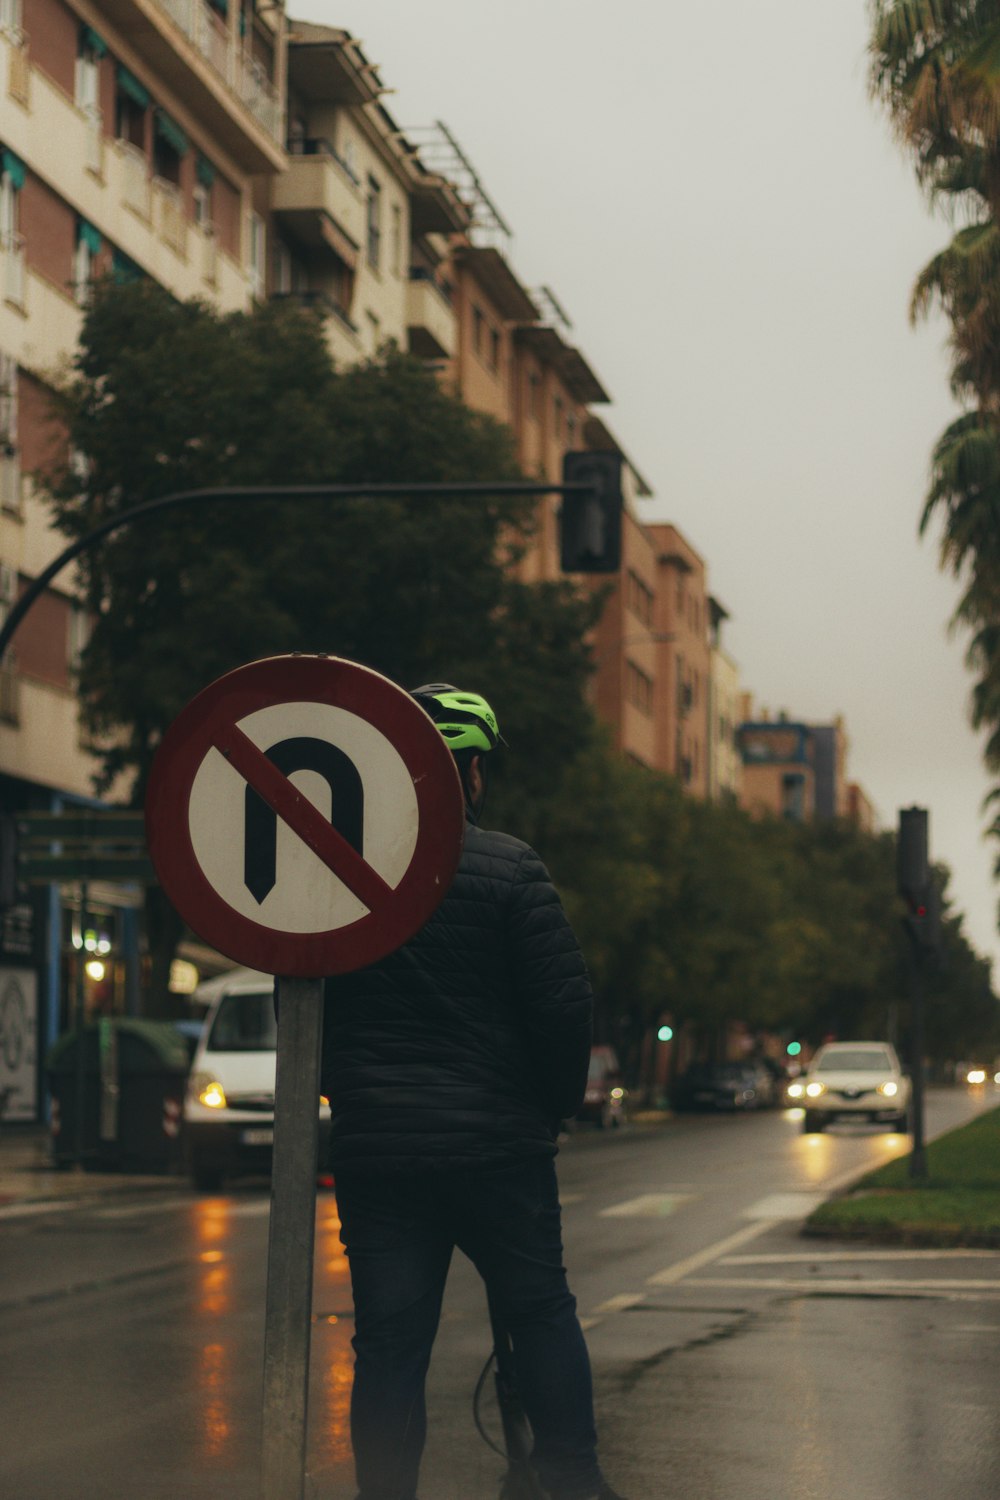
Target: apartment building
{"type": "Point", "coordinates": [798, 771]}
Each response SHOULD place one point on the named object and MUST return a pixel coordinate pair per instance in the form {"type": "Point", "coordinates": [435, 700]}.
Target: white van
{"type": "Point", "coordinates": [229, 1105]}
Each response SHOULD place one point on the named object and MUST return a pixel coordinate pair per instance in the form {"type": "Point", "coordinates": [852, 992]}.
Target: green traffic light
{"type": "Point", "coordinates": [793, 1049]}
{"type": "Point", "coordinates": [665, 1034]}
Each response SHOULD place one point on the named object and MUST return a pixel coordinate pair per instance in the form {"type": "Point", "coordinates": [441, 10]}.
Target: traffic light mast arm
{"type": "Point", "coordinates": [267, 492]}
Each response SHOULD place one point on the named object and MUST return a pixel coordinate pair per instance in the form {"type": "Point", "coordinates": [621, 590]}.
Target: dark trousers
{"type": "Point", "coordinates": [399, 1231]}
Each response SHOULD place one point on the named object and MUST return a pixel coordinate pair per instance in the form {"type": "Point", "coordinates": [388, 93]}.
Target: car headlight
{"type": "Point", "coordinates": [890, 1089]}
{"type": "Point", "coordinates": [796, 1090]}
{"type": "Point", "coordinates": [208, 1091]}
{"type": "Point", "coordinates": [976, 1075]}
{"type": "Point", "coordinates": [814, 1089]}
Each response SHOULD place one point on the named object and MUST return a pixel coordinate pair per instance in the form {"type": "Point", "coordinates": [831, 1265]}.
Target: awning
{"type": "Point", "coordinates": [92, 41]}
{"type": "Point", "coordinates": [14, 168]}
{"type": "Point", "coordinates": [204, 171]}
{"type": "Point", "coordinates": [130, 85]}
{"type": "Point", "coordinates": [89, 236]}
{"type": "Point", "coordinates": [171, 132]}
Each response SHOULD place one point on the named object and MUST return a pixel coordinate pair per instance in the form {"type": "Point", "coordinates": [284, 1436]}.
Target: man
{"type": "Point", "coordinates": [449, 1066]}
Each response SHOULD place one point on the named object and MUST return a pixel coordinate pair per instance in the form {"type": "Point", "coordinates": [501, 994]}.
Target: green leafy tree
{"type": "Point", "coordinates": [168, 397]}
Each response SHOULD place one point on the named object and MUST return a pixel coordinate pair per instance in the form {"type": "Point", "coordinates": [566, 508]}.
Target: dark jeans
{"type": "Point", "coordinates": [399, 1232]}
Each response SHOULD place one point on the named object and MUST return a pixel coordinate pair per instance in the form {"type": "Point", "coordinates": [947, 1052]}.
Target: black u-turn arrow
{"type": "Point", "coordinates": [347, 802]}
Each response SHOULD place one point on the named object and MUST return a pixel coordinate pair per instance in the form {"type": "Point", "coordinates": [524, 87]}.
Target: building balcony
{"type": "Point", "coordinates": [430, 318]}
{"type": "Point", "coordinates": [319, 201]}
{"type": "Point", "coordinates": [204, 61]}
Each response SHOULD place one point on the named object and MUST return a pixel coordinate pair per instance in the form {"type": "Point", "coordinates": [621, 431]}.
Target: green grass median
{"type": "Point", "coordinates": [957, 1203]}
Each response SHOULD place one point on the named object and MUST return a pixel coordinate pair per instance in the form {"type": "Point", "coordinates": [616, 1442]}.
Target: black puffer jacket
{"type": "Point", "coordinates": [468, 1044]}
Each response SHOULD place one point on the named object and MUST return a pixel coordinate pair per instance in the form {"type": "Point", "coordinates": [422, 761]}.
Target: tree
{"type": "Point", "coordinates": [168, 396]}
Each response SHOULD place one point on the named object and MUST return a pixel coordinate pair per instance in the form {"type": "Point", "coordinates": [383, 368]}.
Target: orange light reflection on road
{"type": "Point", "coordinates": [213, 1372]}
{"type": "Point", "coordinates": [332, 1351]}
{"type": "Point", "coordinates": [212, 1386]}
{"type": "Point", "coordinates": [817, 1157]}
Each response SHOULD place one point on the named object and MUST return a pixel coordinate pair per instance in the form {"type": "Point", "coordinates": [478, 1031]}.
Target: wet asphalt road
{"type": "Point", "coordinates": [732, 1357]}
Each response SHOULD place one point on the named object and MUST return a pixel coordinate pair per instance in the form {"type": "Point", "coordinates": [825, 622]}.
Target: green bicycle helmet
{"type": "Point", "coordinates": [465, 719]}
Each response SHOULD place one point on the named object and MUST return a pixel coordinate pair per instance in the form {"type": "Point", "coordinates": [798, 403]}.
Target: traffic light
{"type": "Point", "coordinates": [794, 1049]}
{"type": "Point", "coordinates": [915, 880]}
{"type": "Point", "coordinates": [665, 1034]}
{"type": "Point", "coordinates": [590, 524]}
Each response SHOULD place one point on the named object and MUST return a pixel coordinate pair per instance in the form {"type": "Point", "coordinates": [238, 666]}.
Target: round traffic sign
{"type": "Point", "coordinates": [304, 815]}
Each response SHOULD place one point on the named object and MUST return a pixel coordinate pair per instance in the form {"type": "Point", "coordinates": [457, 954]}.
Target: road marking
{"type": "Point", "coordinates": [856, 1285]}
{"type": "Point", "coordinates": [620, 1303]}
{"type": "Point", "coordinates": [851, 1255]}
{"type": "Point", "coordinates": [648, 1206]}
{"type": "Point", "coordinates": [565, 1198]}
{"type": "Point", "coordinates": [704, 1257]}
{"type": "Point", "coordinates": [785, 1206]}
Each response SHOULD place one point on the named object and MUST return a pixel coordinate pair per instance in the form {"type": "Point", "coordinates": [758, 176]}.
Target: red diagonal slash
{"type": "Point", "coordinates": [302, 817]}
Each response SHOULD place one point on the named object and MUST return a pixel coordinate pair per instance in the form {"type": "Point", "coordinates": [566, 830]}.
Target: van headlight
{"type": "Point", "coordinates": [796, 1090]}
{"type": "Point", "coordinates": [814, 1089]}
{"type": "Point", "coordinates": [888, 1090]}
{"type": "Point", "coordinates": [207, 1091]}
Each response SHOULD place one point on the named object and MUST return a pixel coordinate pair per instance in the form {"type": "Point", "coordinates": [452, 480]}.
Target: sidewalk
{"type": "Point", "coordinates": [29, 1181]}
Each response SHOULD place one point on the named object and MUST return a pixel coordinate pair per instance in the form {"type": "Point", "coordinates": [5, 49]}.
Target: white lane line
{"type": "Point", "coordinates": [683, 1268]}
{"type": "Point", "coordinates": [565, 1198]}
{"type": "Point", "coordinates": [888, 1287]}
{"type": "Point", "coordinates": [852, 1255]}
{"type": "Point", "coordinates": [648, 1206]}
{"type": "Point", "coordinates": [24, 1210]}
{"type": "Point", "coordinates": [620, 1303]}
{"type": "Point", "coordinates": [784, 1206]}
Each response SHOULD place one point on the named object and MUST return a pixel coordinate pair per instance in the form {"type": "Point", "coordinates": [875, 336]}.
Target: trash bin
{"type": "Point", "coordinates": [153, 1065]}
{"type": "Point", "coordinates": [134, 1073]}
{"type": "Point", "coordinates": [76, 1132]}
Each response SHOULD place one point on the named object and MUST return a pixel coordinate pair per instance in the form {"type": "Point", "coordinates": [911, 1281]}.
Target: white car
{"type": "Point", "coordinates": [853, 1081]}
{"type": "Point", "coordinates": [229, 1106]}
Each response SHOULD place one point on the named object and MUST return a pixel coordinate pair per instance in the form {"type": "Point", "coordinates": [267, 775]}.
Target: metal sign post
{"type": "Point", "coordinates": [305, 816]}
{"type": "Point", "coordinates": [288, 1315]}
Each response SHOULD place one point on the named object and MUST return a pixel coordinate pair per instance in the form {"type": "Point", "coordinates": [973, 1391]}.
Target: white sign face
{"type": "Point", "coordinates": [328, 754]}
{"type": "Point", "coordinates": [18, 1033]}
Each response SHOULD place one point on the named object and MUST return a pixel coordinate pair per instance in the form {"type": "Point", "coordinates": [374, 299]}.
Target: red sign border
{"type": "Point", "coordinates": [389, 709]}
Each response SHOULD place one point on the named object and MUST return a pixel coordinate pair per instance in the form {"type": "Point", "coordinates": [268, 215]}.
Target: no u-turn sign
{"type": "Point", "coordinates": [304, 815]}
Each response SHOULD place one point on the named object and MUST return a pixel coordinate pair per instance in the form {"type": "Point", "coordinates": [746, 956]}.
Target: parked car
{"type": "Point", "coordinates": [727, 1086]}
{"type": "Point", "coordinates": [229, 1104]}
{"type": "Point", "coordinates": [605, 1102]}
{"type": "Point", "coordinates": [854, 1081]}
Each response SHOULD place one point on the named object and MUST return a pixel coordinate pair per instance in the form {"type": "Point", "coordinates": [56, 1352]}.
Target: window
{"type": "Point", "coordinates": [639, 688]}
{"type": "Point", "coordinates": [88, 246]}
{"type": "Point", "coordinates": [258, 251]}
{"type": "Point", "coordinates": [478, 328]}
{"type": "Point", "coordinates": [557, 417]}
{"type": "Point", "coordinates": [11, 245]}
{"type": "Point", "coordinates": [494, 349]}
{"type": "Point", "coordinates": [396, 244]}
{"type": "Point", "coordinates": [10, 458]}
{"type": "Point", "coordinates": [571, 429]}
{"type": "Point", "coordinates": [131, 104]}
{"type": "Point", "coordinates": [88, 62]}
{"type": "Point", "coordinates": [10, 18]}
{"type": "Point", "coordinates": [374, 222]}
{"type": "Point", "coordinates": [534, 385]}
{"type": "Point", "coordinates": [374, 333]}
{"type": "Point", "coordinates": [639, 598]}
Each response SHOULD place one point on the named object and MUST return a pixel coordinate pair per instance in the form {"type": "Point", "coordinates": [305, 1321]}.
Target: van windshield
{"type": "Point", "coordinates": [244, 1023]}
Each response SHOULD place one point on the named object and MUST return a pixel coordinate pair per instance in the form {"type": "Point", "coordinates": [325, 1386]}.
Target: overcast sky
{"type": "Point", "coordinates": [726, 218]}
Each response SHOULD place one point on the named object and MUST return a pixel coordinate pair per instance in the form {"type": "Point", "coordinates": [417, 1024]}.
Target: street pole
{"type": "Point", "coordinates": [291, 1234]}
{"type": "Point", "coordinates": [918, 1155]}
{"type": "Point", "coordinates": [79, 1022]}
